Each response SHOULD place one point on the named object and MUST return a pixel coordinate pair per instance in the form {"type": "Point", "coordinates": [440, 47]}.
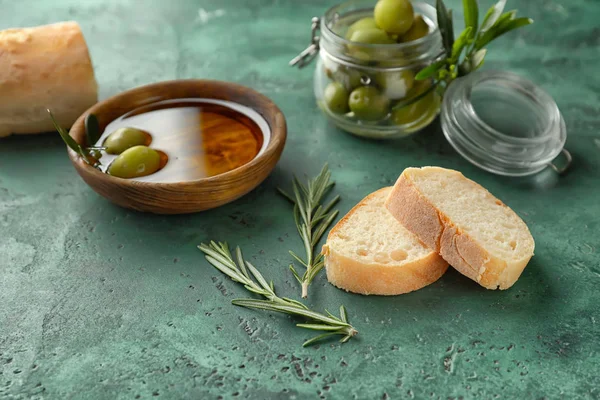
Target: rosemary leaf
{"type": "Point", "coordinates": [296, 302]}
{"type": "Point", "coordinates": [332, 316]}
{"type": "Point", "coordinates": [257, 291]}
{"type": "Point", "coordinates": [258, 276]}
{"type": "Point", "coordinates": [297, 257]}
{"type": "Point", "coordinates": [320, 230]}
{"type": "Point", "coordinates": [319, 327]}
{"type": "Point", "coordinates": [319, 338]}
{"type": "Point", "coordinates": [227, 271]}
{"type": "Point", "coordinates": [288, 309]}
{"type": "Point", "coordinates": [343, 314]}
{"type": "Point", "coordinates": [345, 339]}
{"type": "Point", "coordinates": [295, 274]}
{"type": "Point", "coordinates": [240, 262]}
{"type": "Point", "coordinates": [316, 269]}
{"type": "Point", "coordinates": [286, 195]}
{"type": "Point", "coordinates": [312, 220]}
{"type": "Point", "coordinates": [220, 257]}
{"type": "Point", "coordinates": [331, 204]}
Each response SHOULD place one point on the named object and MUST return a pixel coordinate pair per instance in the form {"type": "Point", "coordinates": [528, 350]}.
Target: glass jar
{"type": "Point", "coordinates": [369, 89]}
{"type": "Point", "coordinates": [504, 124]}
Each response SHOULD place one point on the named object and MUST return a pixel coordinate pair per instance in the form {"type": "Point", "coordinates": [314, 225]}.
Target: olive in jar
{"type": "Point", "coordinates": [371, 36]}
{"type": "Point", "coordinates": [418, 30]}
{"type": "Point", "coordinates": [363, 23]}
{"type": "Point", "coordinates": [347, 76]}
{"type": "Point", "coordinates": [367, 103]}
{"type": "Point", "coordinates": [415, 111]}
{"type": "Point", "coordinates": [394, 16]}
{"type": "Point", "coordinates": [336, 98]}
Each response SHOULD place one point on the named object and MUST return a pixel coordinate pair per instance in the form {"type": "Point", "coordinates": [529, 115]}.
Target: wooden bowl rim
{"type": "Point", "coordinates": [276, 123]}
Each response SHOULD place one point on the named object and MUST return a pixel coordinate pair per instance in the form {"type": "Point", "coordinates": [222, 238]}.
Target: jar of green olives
{"type": "Point", "coordinates": [368, 53]}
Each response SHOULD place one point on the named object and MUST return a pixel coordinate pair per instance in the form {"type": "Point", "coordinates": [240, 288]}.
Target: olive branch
{"type": "Point", "coordinates": [471, 41]}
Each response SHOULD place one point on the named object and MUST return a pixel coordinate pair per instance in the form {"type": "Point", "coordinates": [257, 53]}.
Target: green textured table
{"type": "Point", "coordinates": [100, 302]}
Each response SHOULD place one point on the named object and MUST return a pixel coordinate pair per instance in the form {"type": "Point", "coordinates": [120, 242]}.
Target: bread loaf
{"type": "Point", "coordinates": [369, 252]}
{"type": "Point", "coordinates": [46, 67]}
{"type": "Point", "coordinates": [470, 228]}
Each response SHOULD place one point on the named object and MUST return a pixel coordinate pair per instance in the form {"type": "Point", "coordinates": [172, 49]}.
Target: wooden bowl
{"type": "Point", "coordinates": [189, 196]}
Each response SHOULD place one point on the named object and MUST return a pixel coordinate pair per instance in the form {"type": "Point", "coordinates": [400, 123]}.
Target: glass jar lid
{"type": "Point", "coordinates": [504, 123]}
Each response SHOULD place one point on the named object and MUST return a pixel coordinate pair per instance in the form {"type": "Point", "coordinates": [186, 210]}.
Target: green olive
{"type": "Point", "coordinates": [395, 84]}
{"type": "Point", "coordinates": [363, 23]}
{"type": "Point", "coordinates": [414, 112]}
{"type": "Point", "coordinates": [336, 98]}
{"type": "Point", "coordinates": [418, 30]}
{"type": "Point", "coordinates": [394, 16]}
{"type": "Point", "coordinates": [368, 103]}
{"type": "Point", "coordinates": [371, 36]}
{"type": "Point", "coordinates": [347, 76]}
{"type": "Point", "coordinates": [135, 162]}
{"type": "Point", "coordinates": [125, 138]}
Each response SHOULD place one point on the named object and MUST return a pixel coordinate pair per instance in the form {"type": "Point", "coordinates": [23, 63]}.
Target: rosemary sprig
{"type": "Point", "coordinates": [471, 41]}
{"type": "Point", "coordinates": [84, 153]}
{"type": "Point", "coordinates": [312, 221]}
{"type": "Point", "coordinates": [239, 270]}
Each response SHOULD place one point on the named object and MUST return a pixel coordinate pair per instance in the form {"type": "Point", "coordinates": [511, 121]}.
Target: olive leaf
{"type": "Point", "coordinates": [477, 59]}
{"type": "Point", "coordinates": [505, 18]}
{"type": "Point", "coordinates": [450, 29]}
{"type": "Point", "coordinates": [471, 11]}
{"type": "Point", "coordinates": [92, 129]}
{"type": "Point", "coordinates": [429, 71]}
{"type": "Point", "coordinates": [444, 18]}
{"type": "Point", "coordinates": [488, 35]}
{"type": "Point", "coordinates": [69, 141]}
{"type": "Point", "coordinates": [492, 16]}
{"type": "Point", "coordinates": [461, 42]}
{"type": "Point", "coordinates": [498, 31]}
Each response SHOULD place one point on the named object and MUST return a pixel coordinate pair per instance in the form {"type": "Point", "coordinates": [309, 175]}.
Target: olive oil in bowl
{"type": "Point", "coordinates": [196, 138]}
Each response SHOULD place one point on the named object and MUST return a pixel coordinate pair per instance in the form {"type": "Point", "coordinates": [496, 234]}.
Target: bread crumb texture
{"type": "Point", "coordinates": [369, 252]}
{"type": "Point", "coordinates": [473, 230]}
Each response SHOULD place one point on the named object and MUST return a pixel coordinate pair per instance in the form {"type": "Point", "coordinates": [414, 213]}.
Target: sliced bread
{"type": "Point", "coordinates": [471, 229]}
{"type": "Point", "coordinates": [369, 252]}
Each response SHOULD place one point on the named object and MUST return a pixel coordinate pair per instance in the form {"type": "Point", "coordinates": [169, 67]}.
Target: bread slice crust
{"type": "Point", "coordinates": [417, 213]}
{"type": "Point", "coordinates": [375, 278]}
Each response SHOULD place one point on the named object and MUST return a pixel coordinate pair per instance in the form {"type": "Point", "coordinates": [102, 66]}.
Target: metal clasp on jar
{"type": "Point", "coordinates": [309, 54]}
